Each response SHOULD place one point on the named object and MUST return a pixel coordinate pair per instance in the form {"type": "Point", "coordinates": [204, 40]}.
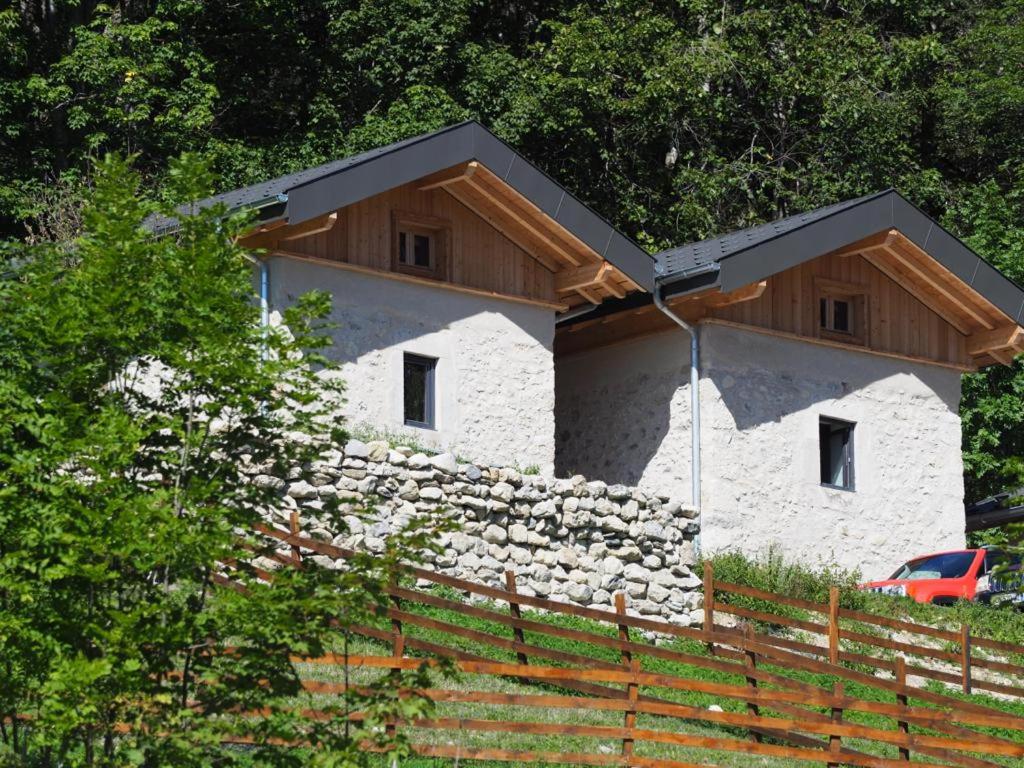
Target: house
{"type": "Point", "coordinates": [483, 308]}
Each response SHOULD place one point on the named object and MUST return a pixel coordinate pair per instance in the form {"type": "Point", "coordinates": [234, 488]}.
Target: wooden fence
{"type": "Point", "coordinates": [958, 663]}
{"type": "Point", "coordinates": [781, 715]}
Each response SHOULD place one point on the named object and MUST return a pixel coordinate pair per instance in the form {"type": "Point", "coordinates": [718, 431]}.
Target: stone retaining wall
{"type": "Point", "coordinates": [566, 539]}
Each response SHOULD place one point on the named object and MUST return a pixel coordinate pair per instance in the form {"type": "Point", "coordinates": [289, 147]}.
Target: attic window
{"type": "Point", "coordinates": [419, 245]}
{"type": "Point", "coordinates": [842, 311]}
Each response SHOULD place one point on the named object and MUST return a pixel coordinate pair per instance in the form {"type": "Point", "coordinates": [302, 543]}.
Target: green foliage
{"type": "Point", "coordinates": [138, 399]}
{"type": "Point", "coordinates": [675, 120]}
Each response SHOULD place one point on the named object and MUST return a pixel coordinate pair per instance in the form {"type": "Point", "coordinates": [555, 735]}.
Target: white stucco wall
{"type": "Point", "coordinates": [762, 397]}
{"type": "Point", "coordinates": [494, 377]}
{"type": "Point", "coordinates": [622, 414]}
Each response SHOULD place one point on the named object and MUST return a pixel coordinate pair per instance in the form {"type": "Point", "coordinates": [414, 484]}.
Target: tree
{"type": "Point", "coordinates": [142, 407]}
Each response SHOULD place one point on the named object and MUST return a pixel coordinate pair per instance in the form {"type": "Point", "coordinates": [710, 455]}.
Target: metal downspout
{"type": "Point", "coordinates": [694, 407]}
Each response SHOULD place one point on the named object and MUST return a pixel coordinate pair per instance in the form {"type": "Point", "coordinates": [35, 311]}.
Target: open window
{"type": "Point", "coordinates": [420, 245]}
{"type": "Point", "coordinates": [842, 311]}
{"type": "Point", "coordinates": [418, 390]}
{"type": "Point", "coordinates": [835, 446]}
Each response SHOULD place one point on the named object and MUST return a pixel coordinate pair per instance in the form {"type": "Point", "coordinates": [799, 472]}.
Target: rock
{"type": "Point", "coordinates": [634, 572]}
{"type": "Point", "coordinates": [302, 490]}
{"type": "Point", "coordinates": [518, 533]}
{"type": "Point", "coordinates": [494, 534]}
{"type": "Point", "coordinates": [397, 458]}
{"type": "Point", "coordinates": [269, 482]}
{"type": "Point", "coordinates": [657, 593]}
{"type": "Point", "coordinates": [619, 492]}
{"type": "Point", "coordinates": [580, 593]}
{"type": "Point", "coordinates": [356, 449]}
{"type": "Point", "coordinates": [461, 542]}
{"type": "Point", "coordinates": [431, 494]}
{"type": "Point", "coordinates": [472, 472]}
{"type": "Point", "coordinates": [445, 462]}
{"type": "Point", "coordinates": [611, 566]}
{"type": "Point", "coordinates": [377, 450]}
{"type": "Point", "coordinates": [502, 492]}
{"type": "Point", "coordinates": [567, 557]}
{"type": "Point", "coordinates": [418, 461]}
{"type": "Point", "coordinates": [614, 525]}
{"type": "Point", "coordinates": [636, 589]}
{"type": "Point", "coordinates": [715, 708]}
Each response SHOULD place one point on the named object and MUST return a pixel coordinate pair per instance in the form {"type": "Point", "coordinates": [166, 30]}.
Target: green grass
{"type": "Point", "coordinates": [563, 743]}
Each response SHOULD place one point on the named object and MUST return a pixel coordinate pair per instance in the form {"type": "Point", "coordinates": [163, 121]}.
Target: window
{"type": "Point", "coordinates": [418, 392]}
{"type": "Point", "coordinates": [842, 311]}
{"type": "Point", "coordinates": [416, 249]}
{"type": "Point", "coordinates": [835, 443]}
{"type": "Point", "coordinates": [419, 245]}
{"type": "Point", "coordinates": [836, 314]}
{"type": "Point", "coordinates": [952, 565]}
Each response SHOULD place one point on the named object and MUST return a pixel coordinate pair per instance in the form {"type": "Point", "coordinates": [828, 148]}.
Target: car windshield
{"type": "Point", "coordinates": [949, 566]}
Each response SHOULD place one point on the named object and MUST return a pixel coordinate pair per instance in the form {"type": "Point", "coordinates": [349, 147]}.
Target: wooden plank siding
{"type": "Point", "coordinates": [896, 321]}
{"type": "Point", "coordinates": [478, 256]}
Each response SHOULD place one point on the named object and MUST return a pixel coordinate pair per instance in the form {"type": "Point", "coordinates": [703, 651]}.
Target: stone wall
{"type": "Point", "coordinates": [566, 539]}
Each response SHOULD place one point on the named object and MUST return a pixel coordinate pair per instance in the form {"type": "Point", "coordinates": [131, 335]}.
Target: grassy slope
{"type": "Point", "coordinates": [564, 743]}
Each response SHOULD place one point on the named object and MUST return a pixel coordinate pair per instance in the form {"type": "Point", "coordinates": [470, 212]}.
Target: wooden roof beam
{"type": "Point", "coordinates": [448, 176]}
{"type": "Point", "coordinates": [987, 342]}
{"type": "Point", "coordinates": [867, 245]}
{"type": "Point", "coordinates": [746, 293]}
{"type": "Point", "coordinates": [493, 218]}
{"type": "Point", "coordinates": [934, 283]}
{"type": "Point", "coordinates": [473, 181]}
{"type": "Point", "coordinates": [879, 260]}
{"type": "Point", "coordinates": [271, 237]}
{"type": "Point", "coordinates": [581, 277]}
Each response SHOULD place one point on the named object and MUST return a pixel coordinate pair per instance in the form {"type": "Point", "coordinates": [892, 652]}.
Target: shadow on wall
{"type": "Point", "coordinates": [622, 413]}
{"type": "Point", "coordinates": [374, 314]}
{"type": "Point", "coordinates": [761, 379]}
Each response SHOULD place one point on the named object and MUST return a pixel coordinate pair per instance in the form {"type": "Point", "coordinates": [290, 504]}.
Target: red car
{"type": "Point", "coordinates": [945, 577]}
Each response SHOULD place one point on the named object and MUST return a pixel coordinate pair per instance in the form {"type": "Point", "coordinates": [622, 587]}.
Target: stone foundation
{"type": "Point", "coordinates": [567, 539]}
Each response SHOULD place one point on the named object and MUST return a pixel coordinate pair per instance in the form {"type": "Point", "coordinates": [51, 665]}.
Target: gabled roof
{"type": "Point", "coordinates": [749, 255]}
{"type": "Point", "coordinates": [313, 192]}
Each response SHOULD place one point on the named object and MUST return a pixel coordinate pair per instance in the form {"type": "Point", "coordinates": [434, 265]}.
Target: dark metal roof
{"type": "Point", "coordinates": [316, 191]}
{"type": "Point", "coordinates": [748, 255]}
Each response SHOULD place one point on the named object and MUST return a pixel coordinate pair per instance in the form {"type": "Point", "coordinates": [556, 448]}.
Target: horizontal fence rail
{"type": "Point", "coordinates": [956, 667]}
{"type": "Point", "coordinates": [782, 716]}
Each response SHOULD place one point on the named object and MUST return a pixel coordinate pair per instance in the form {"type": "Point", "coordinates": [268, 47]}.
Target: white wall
{"type": "Point", "coordinates": [494, 375]}
{"type": "Point", "coordinates": [762, 397]}
{"type": "Point", "coordinates": [622, 415]}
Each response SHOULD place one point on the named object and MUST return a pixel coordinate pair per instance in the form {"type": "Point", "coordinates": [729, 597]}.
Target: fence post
{"type": "Point", "coordinates": [835, 742]}
{"type": "Point", "coordinates": [632, 695]}
{"type": "Point", "coordinates": [901, 699]}
{"type": "Point", "coordinates": [632, 690]}
{"type": "Point", "coordinates": [751, 662]}
{"type": "Point", "coordinates": [833, 625]}
{"type": "Point", "coordinates": [620, 609]}
{"type": "Point", "coordinates": [398, 651]}
{"type": "Point", "coordinates": [709, 605]}
{"type": "Point", "coordinates": [293, 525]}
{"type": "Point", "coordinates": [513, 607]}
{"type": "Point", "coordinates": [965, 656]}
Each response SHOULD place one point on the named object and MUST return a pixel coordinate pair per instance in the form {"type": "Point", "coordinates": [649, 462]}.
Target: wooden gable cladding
{"type": "Point", "coordinates": [477, 257]}
{"type": "Point", "coordinates": [583, 275]}
{"type": "Point", "coordinates": [890, 319]}
{"type": "Point", "coordinates": [895, 322]}
{"type": "Point", "coordinates": [493, 241]}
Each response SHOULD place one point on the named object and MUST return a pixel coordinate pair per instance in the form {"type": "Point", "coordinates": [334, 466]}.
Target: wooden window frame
{"type": "Point", "coordinates": [439, 232]}
{"type": "Point", "coordinates": [429, 390]}
{"type": "Point", "coordinates": [849, 476]}
{"type": "Point", "coordinates": [856, 296]}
